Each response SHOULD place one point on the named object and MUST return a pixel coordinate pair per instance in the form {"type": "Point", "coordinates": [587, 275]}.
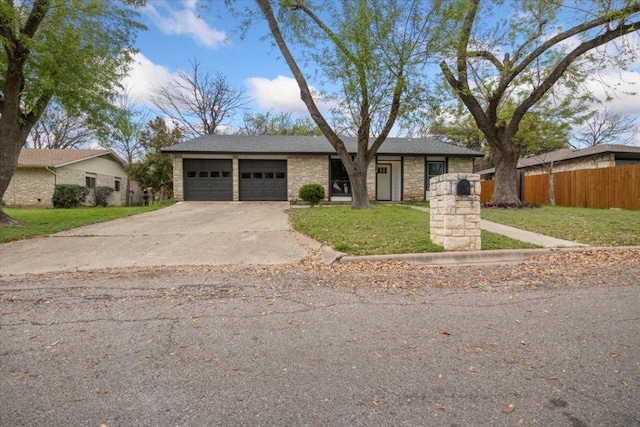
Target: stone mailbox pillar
{"type": "Point", "coordinates": [455, 211]}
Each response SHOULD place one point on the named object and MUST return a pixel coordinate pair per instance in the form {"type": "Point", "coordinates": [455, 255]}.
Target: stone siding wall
{"type": "Point", "coordinates": [235, 177]}
{"type": "Point", "coordinates": [605, 160]}
{"type": "Point", "coordinates": [413, 178]}
{"type": "Point", "coordinates": [178, 183]}
{"type": "Point", "coordinates": [460, 165]}
{"type": "Point", "coordinates": [30, 187]}
{"type": "Point", "coordinates": [455, 219]}
{"type": "Point", "coordinates": [303, 169]}
{"type": "Point", "coordinates": [371, 181]}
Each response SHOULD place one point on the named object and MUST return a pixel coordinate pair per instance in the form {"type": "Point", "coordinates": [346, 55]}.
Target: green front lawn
{"type": "Point", "coordinates": [384, 229]}
{"type": "Point", "coordinates": [598, 227]}
{"type": "Point", "coordinates": [42, 222]}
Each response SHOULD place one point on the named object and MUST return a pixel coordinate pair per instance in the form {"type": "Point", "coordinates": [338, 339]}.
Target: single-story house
{"type": "Point", "coordinates": [40, 170]}
{"type": "Point", "coordinates": [235, 167]}
{"type": "Point", "coordinates": [568, 159]}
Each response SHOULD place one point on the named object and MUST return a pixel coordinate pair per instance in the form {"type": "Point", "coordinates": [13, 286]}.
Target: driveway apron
{"type": "Point", "coordinates": [189, 233]}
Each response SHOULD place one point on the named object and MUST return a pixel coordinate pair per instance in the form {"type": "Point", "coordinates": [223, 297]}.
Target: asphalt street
{"type": "Point", "coordinates": [362, 345]}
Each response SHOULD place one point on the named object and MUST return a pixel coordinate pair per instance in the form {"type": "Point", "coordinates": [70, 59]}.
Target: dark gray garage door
{"type": "Point", "coordinates": [263, 179]}
{"type": "Point", "coordinates": [207, 179]}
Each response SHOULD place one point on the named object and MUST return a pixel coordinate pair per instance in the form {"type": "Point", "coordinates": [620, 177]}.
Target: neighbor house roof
{"type": "Point", "coordinates": [569, 154]}
{"type": "Point", "coordinates": [43, 157]}
{"type": "Point", "coordinates": [281, 144]}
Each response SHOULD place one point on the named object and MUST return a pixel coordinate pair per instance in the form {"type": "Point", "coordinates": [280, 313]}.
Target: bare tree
{"type": "Point", "coordinates": [199, 101]}
{"type": "Point", "coordinates": [58, 129]}
{"type": "Point", "coordinates": [607, 127]}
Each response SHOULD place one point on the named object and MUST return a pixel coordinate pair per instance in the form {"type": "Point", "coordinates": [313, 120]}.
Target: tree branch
{"type": "Point", "coordinates": [562, 66]}
{"type": "Point", "coordinates": [305, 92]}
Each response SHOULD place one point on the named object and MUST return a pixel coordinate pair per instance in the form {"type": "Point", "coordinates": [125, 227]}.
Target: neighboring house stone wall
{"type": "Point", "coordinates": [413, 178]}
{"type": "Point", "coordinates": [460, 165]}
{"type": "Point", "coordinates": [30, 187]}
{"type": "Point", "coordinates": [178, 183]}
{"type": "Point", "coordinates": [67, 175]}
{"type": "Point", "coordinates": [30, 184]}
{"type": "Point", "coordinates": [303, 169]}
{"type": "Point", "coordinates": [605, 160]}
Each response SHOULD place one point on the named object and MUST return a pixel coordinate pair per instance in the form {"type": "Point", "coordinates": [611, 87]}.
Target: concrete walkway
{"type": "Point", "coordinates": [522, 235]}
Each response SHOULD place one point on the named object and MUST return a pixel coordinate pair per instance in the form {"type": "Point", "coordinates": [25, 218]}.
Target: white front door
{"type": "Point", "coordinates": [383, 191]}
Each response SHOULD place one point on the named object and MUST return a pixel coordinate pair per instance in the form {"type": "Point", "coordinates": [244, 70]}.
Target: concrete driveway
{"type": "Point", "coordinates": [190, 233]}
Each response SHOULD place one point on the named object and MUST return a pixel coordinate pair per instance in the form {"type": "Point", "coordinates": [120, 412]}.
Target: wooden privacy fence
{"type": "Point", "coordinates": [615, 187]}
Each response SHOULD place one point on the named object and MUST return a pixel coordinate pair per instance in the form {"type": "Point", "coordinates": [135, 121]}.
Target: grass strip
{"type": "Point", "coordinates": [384, 229]}
{"type": "Point", "coordinates": [43, 222]}
{"type": "Point", "coordinates": [597, 227]}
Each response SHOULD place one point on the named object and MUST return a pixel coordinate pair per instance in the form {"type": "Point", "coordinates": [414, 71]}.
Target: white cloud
{"type": "Point", "coordinates": [143, 77]}
{"type": "Point", "coordinates": [184, 21]}
{"type": "Point", "coordinates": [622, 86]}
{"type": "Point", "coordinates": [281, 93]}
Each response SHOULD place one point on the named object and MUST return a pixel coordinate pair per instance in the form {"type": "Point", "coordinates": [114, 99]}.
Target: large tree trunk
{"type": "Point", "coordinates": [11, 143]}
{"type": "Point", "coordinates": [357, 171]}
{"type": "Point", "coordinates": [506, 157]}
{"type": "Point", "coordinates": [359, 193]}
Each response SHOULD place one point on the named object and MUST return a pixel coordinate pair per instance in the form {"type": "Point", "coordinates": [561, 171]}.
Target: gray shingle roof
{"type": "Point", "coordinates": [279, 144]}
{"type": "Point", "coordinates": [568, 154]}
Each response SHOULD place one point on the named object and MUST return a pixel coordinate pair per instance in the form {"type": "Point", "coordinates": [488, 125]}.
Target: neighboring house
{"type": "Point", "coordinates": [567, 159]}
{"type": "Point", "coordinates": [230, 167]}
{"type": "Point", "coordinates": [40, 170]}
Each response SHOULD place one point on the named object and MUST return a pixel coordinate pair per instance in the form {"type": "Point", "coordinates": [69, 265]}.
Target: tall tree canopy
{"type": "Point", "coordinates": [72, 50]}
{"type": "Point", "coordinates": [281, 123]}
{"type": "Point", "coordinates": [155, 170]}
{"type": "Point", "coordinates": [539, 52]}
{"type": "Point", "coordinates": [371, 50]}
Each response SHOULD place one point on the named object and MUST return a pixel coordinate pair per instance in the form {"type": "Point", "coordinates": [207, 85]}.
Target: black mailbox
{"type": "Point", "coordinates": [463, 188]}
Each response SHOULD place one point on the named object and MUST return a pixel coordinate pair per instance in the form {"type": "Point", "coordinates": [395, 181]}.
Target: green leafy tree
{"type": "Point", "coordinates": [372, 51]}
{"type": "Point", "coordinates": [120, 133]}
{"type": "Point", "coordinates": [155, 171]}
{"type": "Point", "coordinates": [73, 51]}
{"type": "Point", "coordinates": [502, 69]}
{"type": "Point", "coordinates": [277, 124]}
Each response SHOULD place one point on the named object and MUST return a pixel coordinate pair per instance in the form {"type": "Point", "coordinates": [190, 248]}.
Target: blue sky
{"type": "Point", "coordinates": [180, 30]}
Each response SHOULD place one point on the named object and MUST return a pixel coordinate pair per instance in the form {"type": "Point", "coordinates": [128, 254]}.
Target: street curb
{"type": "Point", "coordinates": [503, 256]}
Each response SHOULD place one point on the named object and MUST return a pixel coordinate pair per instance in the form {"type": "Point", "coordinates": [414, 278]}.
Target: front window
{"type": "Point", "coordinates": [90, 181]}
{"type": "Point", "coordinates": [116, 185]}
{"type": "Point", "coordinates": [434, 169]}
{"type": "Point", "coordinates": [340, 184]}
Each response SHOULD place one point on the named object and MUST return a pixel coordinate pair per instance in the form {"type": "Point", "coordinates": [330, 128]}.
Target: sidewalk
{"type": "Point", "coordinates": [522, 235]}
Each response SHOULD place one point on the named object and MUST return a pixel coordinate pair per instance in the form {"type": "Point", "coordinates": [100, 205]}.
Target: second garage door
{"type": "Point", "coordinates": [263, 179]}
